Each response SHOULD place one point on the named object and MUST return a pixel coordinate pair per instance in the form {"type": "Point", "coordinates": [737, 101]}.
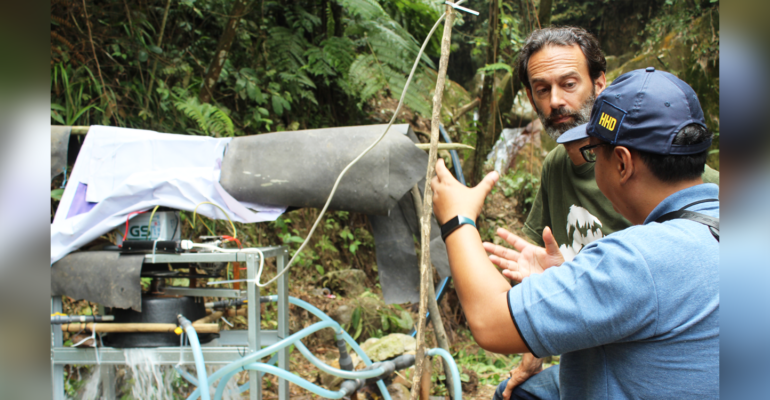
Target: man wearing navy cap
{"type": "Point", "coordinates": [636, 313]}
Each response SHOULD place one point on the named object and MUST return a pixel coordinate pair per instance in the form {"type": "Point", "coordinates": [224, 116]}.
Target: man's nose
{"type": "Point", "coordinates": [557, 98]}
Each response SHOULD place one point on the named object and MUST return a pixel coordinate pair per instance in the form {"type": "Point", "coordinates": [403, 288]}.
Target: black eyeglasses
{"type": "Point", "coordinates": [588, 151]}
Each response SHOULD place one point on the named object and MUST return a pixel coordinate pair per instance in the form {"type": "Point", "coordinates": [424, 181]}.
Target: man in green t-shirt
{"type": "Point", "coordinates": [563, 71]}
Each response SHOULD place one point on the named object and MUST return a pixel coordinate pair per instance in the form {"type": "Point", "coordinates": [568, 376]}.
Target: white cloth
{"type": "Point", "coordinates": [130, 170]}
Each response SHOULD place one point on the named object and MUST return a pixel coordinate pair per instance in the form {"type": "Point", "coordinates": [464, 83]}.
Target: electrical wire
{"type": "Point", "coordinates": [149, 224]}
{"type": "Point", "coordinates": [235, 233]}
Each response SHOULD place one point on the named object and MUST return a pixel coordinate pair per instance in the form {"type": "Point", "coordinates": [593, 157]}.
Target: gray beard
{"type": "Point", "coordinates": [580, 117]}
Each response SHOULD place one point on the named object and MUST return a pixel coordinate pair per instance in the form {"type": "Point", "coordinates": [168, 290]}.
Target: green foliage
{"type": "Point", "coordinates": [491, 368]}
{"type": "Point", "coordinates": [211, 120]}
{"type": "Point", "coordinates": [521, 184]}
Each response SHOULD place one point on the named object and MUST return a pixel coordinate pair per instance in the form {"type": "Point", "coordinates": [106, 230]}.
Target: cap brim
{"type": "Point", "coordinates": [576, 133]}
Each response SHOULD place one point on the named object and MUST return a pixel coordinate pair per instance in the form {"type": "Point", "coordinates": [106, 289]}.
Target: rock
{"type": "Point", "coordinates": [398, 391]}
{"type": "Point", "coordinates": [389, 346]}
{"type": "Point", "coordinates": [343, 314]}
{"type": "Point", "coordinates": [351, 282]}
{"type": "Point", "coordinates": [329, 381]}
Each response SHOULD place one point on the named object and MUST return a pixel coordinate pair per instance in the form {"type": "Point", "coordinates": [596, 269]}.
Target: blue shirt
{"type": "Point", "coordinates": [636, 313]}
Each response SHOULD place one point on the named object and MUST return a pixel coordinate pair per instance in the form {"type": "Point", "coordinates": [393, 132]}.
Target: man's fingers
{"type": "Point", "coordinates": [515, 276]}
{"type": "Point", "coordinates": [517, 242]}
{"type": "Point", "coordinates": [442, 173]}
{"type": "Point", "coordinates": [503, 263]}
{"type": "Point", "coordinates": [500, 251]}
{"type": "Point", "coordinates": [488, 182]}
{"type": "Point", "coordinates": [551, 247]}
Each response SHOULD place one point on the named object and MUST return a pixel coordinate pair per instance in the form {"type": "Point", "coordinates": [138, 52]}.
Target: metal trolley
{"type": "Point", "coordinates": [231, 344]}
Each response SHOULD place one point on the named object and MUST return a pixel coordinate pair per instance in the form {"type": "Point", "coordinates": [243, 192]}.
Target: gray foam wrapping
{"type": "Point", "coordinates": [104, 277]}
{"type": "Point", "coordinates": [299, 168]}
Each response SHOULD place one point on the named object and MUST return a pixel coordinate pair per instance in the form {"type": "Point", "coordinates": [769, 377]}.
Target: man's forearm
{"type": "Point", "coordinates": [483, 293]}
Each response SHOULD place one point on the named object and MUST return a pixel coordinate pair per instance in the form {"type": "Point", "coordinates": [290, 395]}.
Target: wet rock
{"type": "Point", "coordinates": [389, 346]}
{"type": "Point", "coordinates": [398, 391]}
{"type": "Point", "coordinates": [350, 282]}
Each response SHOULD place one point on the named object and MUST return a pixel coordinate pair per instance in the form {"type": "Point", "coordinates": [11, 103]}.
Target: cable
{"type": "Point", "coordinates": [235, 233]}
{"type": "Point", "coordinates": [149, 224]}
{"type": "Point", "coordinates": [127, 218]}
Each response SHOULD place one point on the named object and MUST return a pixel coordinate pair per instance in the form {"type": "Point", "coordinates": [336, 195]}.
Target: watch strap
{"type": "Point", "coordinates": [454, 223]}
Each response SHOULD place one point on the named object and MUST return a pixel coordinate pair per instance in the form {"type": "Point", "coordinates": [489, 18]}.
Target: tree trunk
{"type": "Point", "coordinates": [544, 13]}
{"type": "Point", "coordinates": [223, 48]}
{"type": "Point", "coordinates": [487, 134]}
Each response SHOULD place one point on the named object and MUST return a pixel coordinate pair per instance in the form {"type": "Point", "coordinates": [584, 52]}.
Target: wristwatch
{"type": "Point", "coordinates": [454, 223]}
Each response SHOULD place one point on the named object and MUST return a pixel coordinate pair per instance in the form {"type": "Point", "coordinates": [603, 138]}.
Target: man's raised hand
{"type": "Point", "coordinates": [451, 198]}
{"type": "Point", "coordinates": [536, 259]}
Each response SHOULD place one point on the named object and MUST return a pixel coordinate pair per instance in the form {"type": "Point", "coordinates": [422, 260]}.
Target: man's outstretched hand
{"type": "Point", "coordinates": [528, 258]}
{"type": "Point", "coordinates": [451, 198]}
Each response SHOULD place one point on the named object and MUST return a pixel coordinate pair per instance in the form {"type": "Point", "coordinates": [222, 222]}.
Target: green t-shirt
{"type": "Point", "coordinates": [571, 204]}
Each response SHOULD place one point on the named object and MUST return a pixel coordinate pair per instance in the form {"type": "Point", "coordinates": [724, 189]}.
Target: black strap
{"type": "Point", "coordinates": [711, 222]}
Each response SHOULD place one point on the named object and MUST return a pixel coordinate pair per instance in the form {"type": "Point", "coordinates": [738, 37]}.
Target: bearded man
{"type": "Point", "coordinates": [563, 71]}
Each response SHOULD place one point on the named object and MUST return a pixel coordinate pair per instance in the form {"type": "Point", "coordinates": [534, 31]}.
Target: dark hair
{"type": "Point", "coordinates": [563, 36]}
{"type": "Point", "coordinates": [677, 168]}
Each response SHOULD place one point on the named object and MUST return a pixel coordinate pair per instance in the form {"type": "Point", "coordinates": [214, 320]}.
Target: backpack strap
{"type": "Point", "coordinates": [711, 222]}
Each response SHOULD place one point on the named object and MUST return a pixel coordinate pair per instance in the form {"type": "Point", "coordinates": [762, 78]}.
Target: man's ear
{"type": "Point", "coordinates": [529, 96]}
{"type": "Point", "coordinates": [624, 163]}
{"type": "Point", "coordinates": [600, 84]}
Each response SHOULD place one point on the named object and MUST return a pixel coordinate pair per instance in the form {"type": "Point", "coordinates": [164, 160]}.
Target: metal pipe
{"type": "Point", "coordinates": [68, 319]}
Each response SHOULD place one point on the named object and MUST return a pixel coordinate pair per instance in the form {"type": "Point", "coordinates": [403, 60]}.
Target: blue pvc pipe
{"type": "Point", "coordinates": [458, 388]}
{"type": "Point", "coordinates": [453, 153]}
{"type": "Point", "coordinates": [200, 365]}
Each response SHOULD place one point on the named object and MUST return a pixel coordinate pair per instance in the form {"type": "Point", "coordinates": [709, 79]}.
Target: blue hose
{"type": "Point", "coordinates": [334, 371]}
{"type": "Point", "coordinates": [253, 357]}
{"type": "Point", "coordinates": [458, 388]}
{"type": "Point", "coordinates": [303, 383]}
{"type": "Point", "coordinates": [200, 365]}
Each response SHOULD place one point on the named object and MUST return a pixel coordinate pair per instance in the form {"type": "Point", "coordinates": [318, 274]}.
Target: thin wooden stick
{"type": "Point", "coordinates": [427, 207]}
{"type": "Point", "coordinates": [93, 48]}
{"type": "Point", "coordinates": [435, 314]}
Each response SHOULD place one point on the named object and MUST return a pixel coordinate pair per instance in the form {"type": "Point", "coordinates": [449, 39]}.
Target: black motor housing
{"type": "Point", "coordinates": [158, 309]}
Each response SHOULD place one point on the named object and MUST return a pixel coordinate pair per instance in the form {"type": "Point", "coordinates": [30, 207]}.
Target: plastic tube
{"type": "Point", "coordinates": [223, 382]}
{"type": "Point", "coordinates": [373, 373]}
{"type": "Point", "coordinates": [340, 332]}
{"type": "Point", "coordinates": [303, 383]}
{"type": "Point", "coordinates": [186, 375]}
{"type": "Point", "coordinates": [200, 365]}
{"type": "Point", "coordinates": [458, 389]}
{"type": "Point", "coordinates": [252, 357]}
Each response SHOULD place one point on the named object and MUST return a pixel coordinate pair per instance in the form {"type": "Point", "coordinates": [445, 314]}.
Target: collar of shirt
{"type": "Point", "coordinates": [685, 197]}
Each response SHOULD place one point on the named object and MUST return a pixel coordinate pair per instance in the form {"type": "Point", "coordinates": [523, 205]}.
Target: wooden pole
{"type": "Point", "coordinates": [427, 208]}
{"type": "Point", "coordinates": [209, 318]}
{"type": "Point", "coordinates": [136, 327]}
{"type": "Point", "coordinates": [435, 315]}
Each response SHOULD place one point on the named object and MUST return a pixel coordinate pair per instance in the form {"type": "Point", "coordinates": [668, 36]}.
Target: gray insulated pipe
{"type": "Point", "coordinates": [298, 168]}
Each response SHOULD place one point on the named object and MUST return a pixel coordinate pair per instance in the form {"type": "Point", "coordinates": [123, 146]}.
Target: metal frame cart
{"type": "Point", "coordinates": [231, 343]}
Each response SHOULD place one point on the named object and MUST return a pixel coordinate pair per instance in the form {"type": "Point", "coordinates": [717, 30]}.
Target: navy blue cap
{"type": "Point", "coordinates": [571, 135]}
{"type": "Point", "coordinates": [644, 110]}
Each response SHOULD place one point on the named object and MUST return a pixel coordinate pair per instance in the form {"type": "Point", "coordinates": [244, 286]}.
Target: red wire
{"type": "Point", "coordinates": [127, 217]}
{"type": "Point", "coordinates": [232, 239]}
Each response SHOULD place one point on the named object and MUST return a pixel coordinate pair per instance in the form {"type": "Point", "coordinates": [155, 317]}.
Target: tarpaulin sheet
{"type": "Point", "coordinates": [299, 168]}
{"type": "Point", "coordinates": [104, 277]}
